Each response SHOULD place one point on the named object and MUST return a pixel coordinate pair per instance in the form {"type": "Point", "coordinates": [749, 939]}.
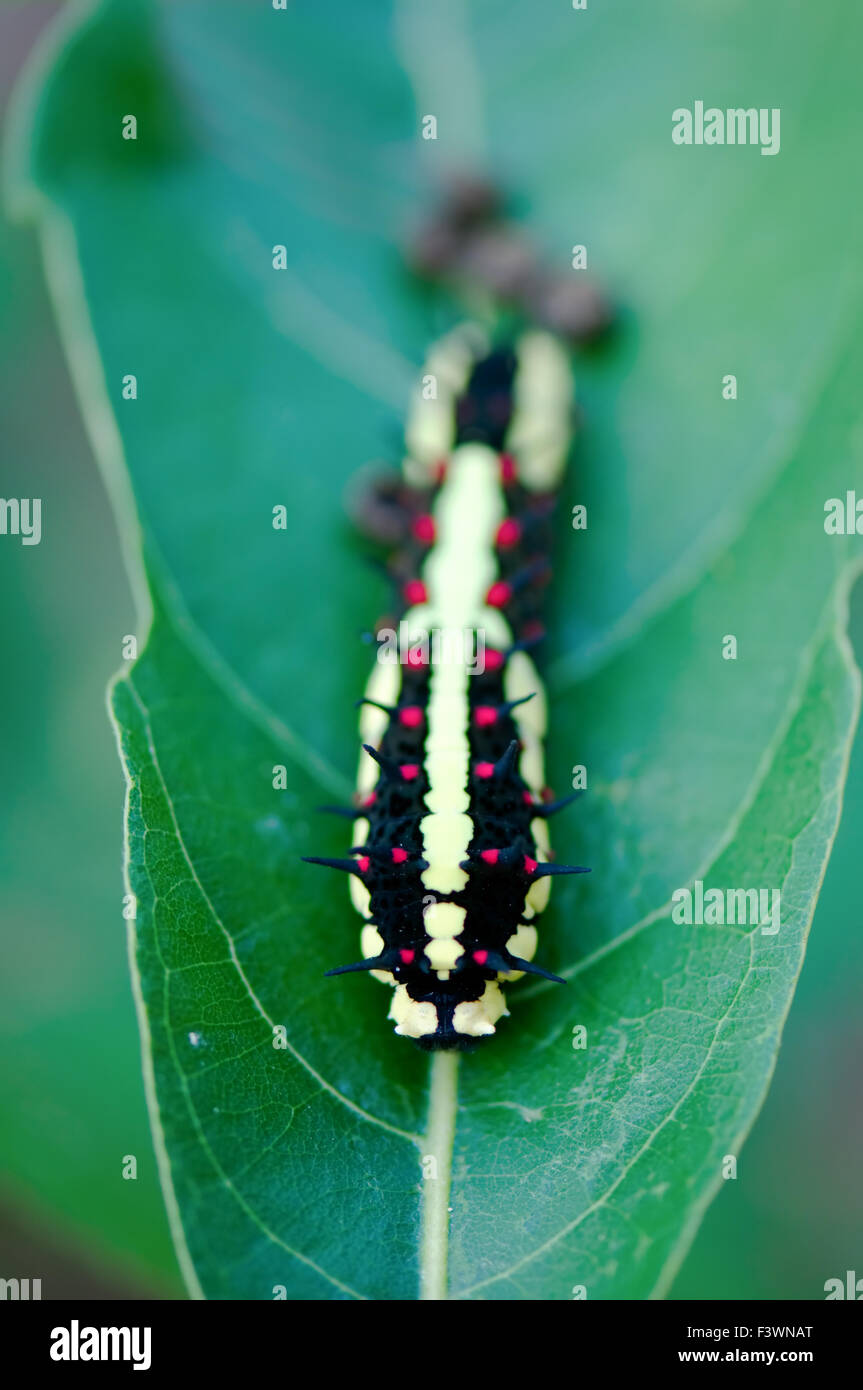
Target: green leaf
{"type": "Point", "coordinates": [65, 1000]}
{"type": "Point", "coordinates": [303, 1167]}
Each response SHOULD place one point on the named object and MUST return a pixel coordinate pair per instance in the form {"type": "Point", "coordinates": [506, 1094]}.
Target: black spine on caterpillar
{"type": "Point", "coordinates": [450, 861]}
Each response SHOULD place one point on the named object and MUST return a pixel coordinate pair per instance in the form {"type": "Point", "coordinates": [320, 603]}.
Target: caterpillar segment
{"type": "Point", "coordinates": [450, 864]}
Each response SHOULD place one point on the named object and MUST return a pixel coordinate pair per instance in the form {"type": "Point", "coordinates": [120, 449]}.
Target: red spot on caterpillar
{"type": "Point", "coordinates": [399, 855]}
{"type": "Point", "coordinates": [508, 471]}
{"type": "Point", "coordinates": [480, 957]}
{"type": "Point", "coordinates": [527, 797]}
{"type": "Point", "coordinates": [409, 771]}
{"type": "Point", "coordinates": [508, 533]}
{"type": "Point", "coordinates": [484, 769]}
{"type": "Point", "coordinates": [370, 799]}
{"type": "Point", "coordinates": [440, 470]}
{"type": "Point", "coordinates": [490, 855]}
{"type": "Point", "coordinates": [415, 660]}
{"type": "Point", "coordinates": [415, 591]}
{"type": "Point", "coordinates": [411, 716]}
{"type": "Point", "coordinates": [499, 594]}
{"type": "Point", "coordinates": [407, 956]}
{"type": "Point", "coordinates": [423, 529]}
{"type": "Point", "coordinates": [363, 863]}
{"type": "Point", "coordinates": [484, 715]}
{"type": "Point", "coordinates": [530, 865]}
{"type": "Point", "coordinates": [493, 659]}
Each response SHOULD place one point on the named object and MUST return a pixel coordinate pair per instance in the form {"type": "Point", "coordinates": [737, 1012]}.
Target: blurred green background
{"type": "Point", "coordinates": [71, 1098]}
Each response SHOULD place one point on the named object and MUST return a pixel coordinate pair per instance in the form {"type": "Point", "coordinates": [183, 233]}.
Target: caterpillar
{"type": "Point", "coordinates": [450, 865]}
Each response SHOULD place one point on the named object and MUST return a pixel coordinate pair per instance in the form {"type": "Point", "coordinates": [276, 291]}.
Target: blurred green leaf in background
{"type": "Point", "coordinates": [71, 1096]}
{"type": "Point", "coordinates": [301, 1168]}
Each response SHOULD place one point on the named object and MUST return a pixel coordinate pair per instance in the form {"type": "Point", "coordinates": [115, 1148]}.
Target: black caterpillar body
{"type": "Point", "coordinates": [450, 861]}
